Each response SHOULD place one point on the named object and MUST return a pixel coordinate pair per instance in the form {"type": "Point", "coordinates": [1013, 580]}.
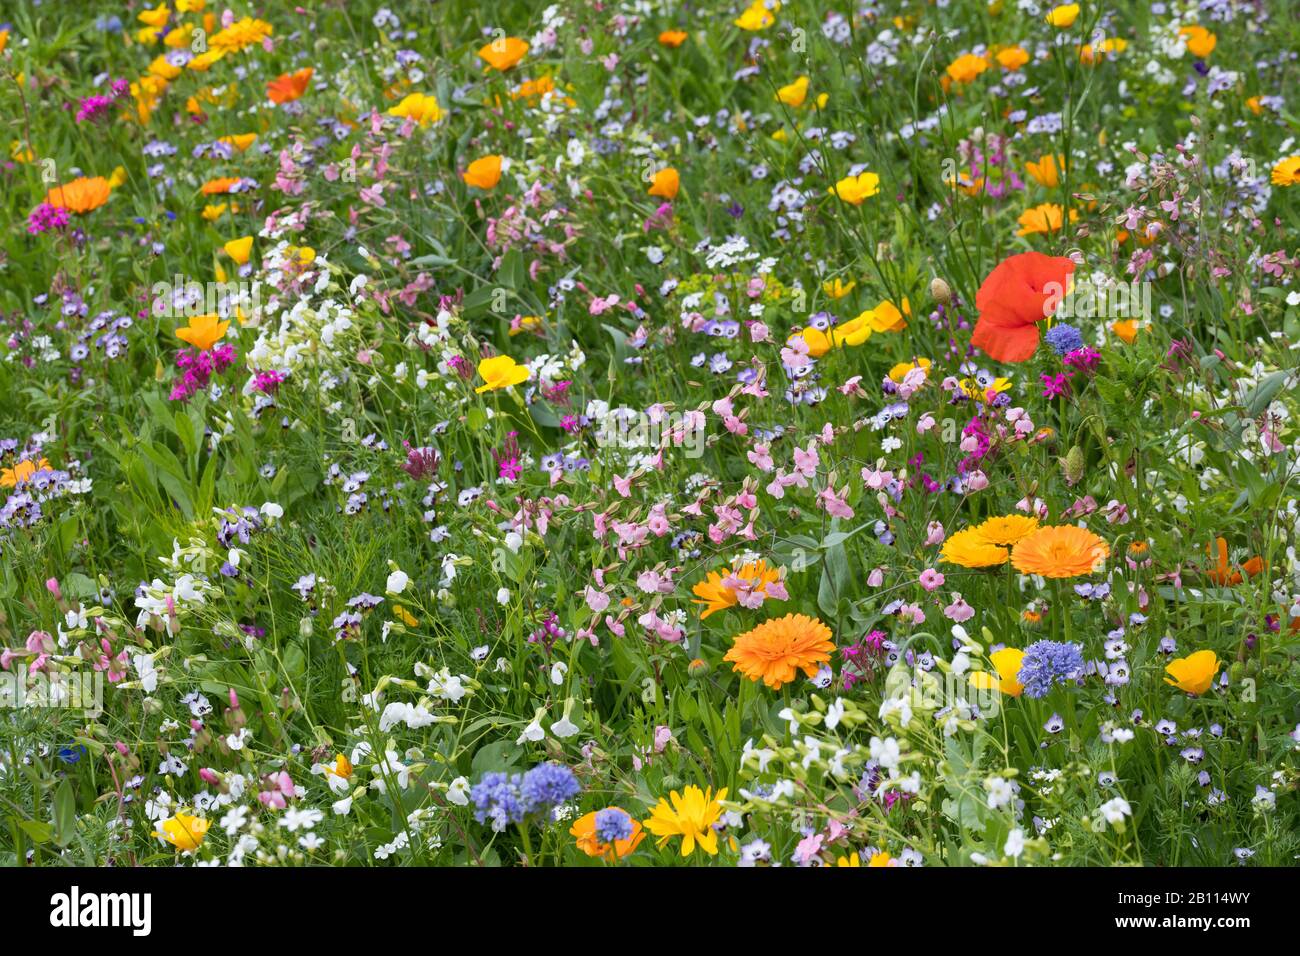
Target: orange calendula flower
{"type": "Point", "coordinates": [420, 108]}
{"type": "Point", "coordinates": [1006, 663]}
{"type": "Point", "coordinates": [1061, 551]}
{"type": "Point", "coordinates": [673, 38]}
{"type": "Point", "coordinates": [779, 648]}
{"type": "Point", "coordinates": [503, 53]}
{"type": "Point", "coordinates": [288, 87]}
{"type": "Point", "coordinates": [966, 67]}
{"type": "Point", "coordinates": [665, 184]}
{"type": "Point", "coordinates": [183, 831]}
{"type": "Point", "coordinates": [691, 816]}
{"type": "Point", "coordinates": [483, 173]}
{"type": "Point", "coordinates": [854, 189]}
{"type": "Point", "coordinates": [22, 472]}
{"type": "Point", "coordinates": [1046, 217]}
{"type": "Point", "coordinates": [970, 549]}
{"type": "Point", "coordinates": [204, 331]}
{"type": "Point", "coordinates": [1126, 330]}
{"type": "Point", "coordinates": [754, 577]}
{"type": "Point", "coordinates": [1194, 673]}
{"type": "Point", "coordinates": [1200, 41]}
{"type": "Point", "coordinates": [584, 830]}
{"type": "Point", "coordinates": [1287, 172]}
{"type": "Point", "coordinates": [81, 195]}
{"type": "Point", "coordinates": [501, 371]}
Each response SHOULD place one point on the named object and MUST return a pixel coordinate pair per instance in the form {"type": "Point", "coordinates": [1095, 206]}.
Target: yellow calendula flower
{"type": "Point", "coordinates": [420, 108]}
{"type": "Point", "coordinates": [1006, 530]}
{"type": "Point", "coordinates": [183, 831]}
{"type": "Point", "coordinates": [239, 249]}
{"type": "Point", "coordinates": [759, 15]}
{"type": "Point", "coordinates": [899, 371]}
{"type": "Point", "coordinates": [837, 288]}
{"type": "Point", "coordinates": [1006, 663]}
{"type": "Point", "coordinates": [854, 189]}
{"type": "Point", "coordinates": [241, 34]}
{"type": "Point", "coordinates": [794, 94]}
{"type": "Point", "coordinates": [850, 859]}
{"type": "Point", "coordinates": [1194, 673]}
{"type": "Point", "coordinates": [156, 17]}
{"type": "Point", "coordinates": [240, 141]}
{"type": "Point", "coordinates": [1287, 172]}
{"type": "Point", "coordinates": [160, 67]}
{"type": "Point", "coordinates": [203, 331]}
{"type": "Point", "coordinates": [501, 371]}
{"type": "Point", "coordinates": [881, 859]}
{"type": "Point", "coordinates": [1045, 217]}
{"type": "Point", "coordinates": [1063, 16]}
{"type": "Point", "coordinates": [690, 815]}
{"type": "Point", "coordinates": [970, 549]}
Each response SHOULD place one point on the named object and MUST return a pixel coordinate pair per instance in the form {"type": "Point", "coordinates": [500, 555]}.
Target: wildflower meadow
{"type": "Point", "coordinates": [648, 433]}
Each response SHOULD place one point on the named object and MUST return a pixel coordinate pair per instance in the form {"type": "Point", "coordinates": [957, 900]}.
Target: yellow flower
{"type": "Point", "coordinates": [4, 40]}
{"type": "Point", "coordinates": [21, 472]}
{"type": "Point", "coordinates": [503, 53]}
{"type": "Point", "coordinates": [795, 93]}
{"type": "Point", "coordinates": [850, 859]}
{"type": "Point", "coordinates": [1045, 217]}
{"type": "Point", "coordinates": [1200, 41]}
{"type": "Point", "coordinates": [1194, 673]}
{"type": "Point", "coordinates": [406, 617]}
{"type": "Point", "coordinates": [665, 184]}
{"type": "Point", "coordinates": [420, 108]}
{"type": "Point", "coordinates": [240, 141]}
{"type": "Point", "coordinates": [836, 289]}
{"type": "Point", "coordinates": [161, 68]}
{"type": "Point", "coordinates": [1046, 172]}
{"type": "Point", "coordinates": [203, 62]}
{"type": "Point", "coordinates": [1287, 172]}
{"type": "Point", "coordinates": [966, 68]}
{"type": "Point", "coordinates": [203, 331]}
{"type": "Point", "coordinates": [501, 371]}
{"type": "Point", "coordinates": [970, 549]}
{"type": "Point", "coordinates": [899, 371]}
{"type": "Point", "coordinates": [691, 816]}
{"type": "Point", "coordinates": [239, 249]}
{"type": "Point", "coordinates": [780, 647]}
{"type": "Point", "coordinates": [716, 596]}
{"type": "Point", "coordinates": [1007, 529]}
{"type": "Point", "coordinates": [183, 831]}
{"type": "Point", "coordinates": [854, 189]}
{"type": "Point", "coordinates": [881, 859]}
{"type": "Point", "coordinates": [214, 211]}
{"type": "Point", "coordinates": [1063, 16]}
{"type": "Point", "coordinates": [484, 172]}
{"type": "Point", "coordinates": [758, 16]}
{"type": "Point", "coordinates": [1007, 664]}
{"type": "Point", "coordinates": [240, 34]}
{"type": "Point", "coordinates": [155, 17]}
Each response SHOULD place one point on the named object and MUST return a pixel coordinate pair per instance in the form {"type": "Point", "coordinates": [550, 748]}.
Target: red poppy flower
{"type": "Point", "coordinates": [1020, 292]}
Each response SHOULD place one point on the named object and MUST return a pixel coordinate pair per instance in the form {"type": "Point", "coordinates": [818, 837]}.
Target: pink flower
{"type": "Point", "coordinates": [931, 579]}
{"type": "Point", "coordinates": [958, 610]}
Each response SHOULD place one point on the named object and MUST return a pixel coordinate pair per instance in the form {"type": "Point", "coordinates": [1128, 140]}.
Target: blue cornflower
{"type": "Point", "coordinates": [613, 824]}
{"type": "Point", "coordinates": [1063, 338]}
{"type": "Point", "coordinates": [1049, 662]}
{"type": "Point", "coordinates": [548, 785]}
{"type": "Point", "coordinates": [497, 800]}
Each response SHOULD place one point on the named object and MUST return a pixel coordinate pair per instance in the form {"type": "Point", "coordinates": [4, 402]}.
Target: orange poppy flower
{"type": "Point", "coordinates": [1020, 292]}
{"type": "Point", "coordinates": [584, 829]}
{"type": "Point", "coordinates": [81, 195]}
{"type": "Point", "coordinates": [287, 87]}
{"type": "Point", "coordinates": [672, 38]}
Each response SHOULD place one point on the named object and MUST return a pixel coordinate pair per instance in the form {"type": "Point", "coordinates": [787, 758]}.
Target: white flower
{"type": "Point", "coordinates": [1000, 792]}
{"type": "Point", "coordinates": [564, 728]}
{"type": "Point", "coordinates": [397, 582]}
{"type": "Point", "coordinates": [885, 752]}
{"type": "Point", "coordinates": [503, 596]}
{"type": "Point", "coordinates": [1114, 811]}
{"type": "Point", "coordinates": [1015, 843]}
{"type": "Point", "coordinates": [533, 732]}
{"type": "Point", "coordinates": [458, 791]}
{"type": "Point", "coordinates": [558, 670]}
{"type": "Point", "coordinates": [272, 510]}
{"type": "Point", "coordinates": [834, 713]}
